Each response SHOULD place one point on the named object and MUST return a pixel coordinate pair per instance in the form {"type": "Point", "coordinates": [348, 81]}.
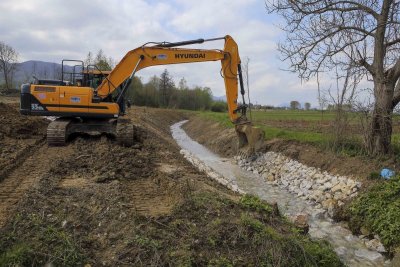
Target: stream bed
{"type": "Point", "coordinates": [349, 247]}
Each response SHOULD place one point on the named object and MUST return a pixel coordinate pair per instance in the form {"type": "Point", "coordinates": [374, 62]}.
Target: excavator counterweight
{"type": "Point", "coordinates": [93, 101]}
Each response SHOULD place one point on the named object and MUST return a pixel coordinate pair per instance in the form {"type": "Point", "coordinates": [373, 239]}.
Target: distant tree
{"type": "Point", "coordinates": [294, 104]}
{"type": "Point", "coordinates": [136, 92]}
{"type": "Point", "coordinates": [101, 61]}
{"type": "Point", "coordinates": [8, 66]}
{"type": "Point", "coordinates": [166, 87]}
{"type": "Point", "coordinates": [152, 91]}
{"type": "Point", "coordinates": [183, 84]}
{"type": "Point", "coordinates": [307, 106]}
{"type": "Point", "coordinates": [57, 75]}
{"type": "Point", "coordinates": [89, 59]}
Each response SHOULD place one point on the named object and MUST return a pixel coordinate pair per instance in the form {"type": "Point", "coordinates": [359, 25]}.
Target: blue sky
{"type": "Point", "coordinates": [50, 30]}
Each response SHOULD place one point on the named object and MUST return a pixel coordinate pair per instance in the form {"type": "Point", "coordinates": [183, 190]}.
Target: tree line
{"type": "Point", "coordinates": [163, 92]}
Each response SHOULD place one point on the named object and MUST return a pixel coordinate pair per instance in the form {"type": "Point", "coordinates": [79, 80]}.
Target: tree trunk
{"type": "Point", "coordinates": [380, 132]}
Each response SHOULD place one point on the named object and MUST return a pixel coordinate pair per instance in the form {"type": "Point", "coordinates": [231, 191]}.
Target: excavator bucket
{"type": "Point", "coordinates": [251, 139]}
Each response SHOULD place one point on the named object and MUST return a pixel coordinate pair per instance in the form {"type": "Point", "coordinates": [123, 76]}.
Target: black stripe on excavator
{"type": "Point", "coordinates": [30, 103]}
{"type": "Point", "coordinates": [76, 106]}
{"type": "Point", "coordinates": [45, 89]}
{"type": "Point", "coordinates": [198, 41]}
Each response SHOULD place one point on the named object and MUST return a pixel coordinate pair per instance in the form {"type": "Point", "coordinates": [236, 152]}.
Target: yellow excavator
{"type": "Point", "coordinates": [92, 100]}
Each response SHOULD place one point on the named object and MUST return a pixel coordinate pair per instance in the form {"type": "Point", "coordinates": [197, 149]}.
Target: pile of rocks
{"type": "Point", "coordinates": [326, 190]}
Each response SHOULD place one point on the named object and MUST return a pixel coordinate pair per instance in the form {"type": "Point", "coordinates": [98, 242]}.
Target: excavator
{"type": "Point", "coordinates": [93, 102]}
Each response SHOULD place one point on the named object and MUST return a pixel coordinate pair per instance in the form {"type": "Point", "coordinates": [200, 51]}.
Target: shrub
{"type": "Point", "coordinates": [219, 106]}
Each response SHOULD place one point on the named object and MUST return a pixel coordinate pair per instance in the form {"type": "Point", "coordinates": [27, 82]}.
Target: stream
{"type": "Point", "coordinates": [348, 247]}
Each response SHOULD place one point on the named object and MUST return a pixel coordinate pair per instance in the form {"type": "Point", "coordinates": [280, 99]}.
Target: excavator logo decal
{"type": "Point", "coordinates": [161, 56]}
{"type": "Point", "coordinates": [182, 56]}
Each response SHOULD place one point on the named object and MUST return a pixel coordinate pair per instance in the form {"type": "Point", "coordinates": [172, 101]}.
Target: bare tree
{"type": "Point", "coordinates": [322, 34]}
{"type": "Point", "coordinates": [342, 100]}
{"type": "Point", "coordinates": [8, 60]}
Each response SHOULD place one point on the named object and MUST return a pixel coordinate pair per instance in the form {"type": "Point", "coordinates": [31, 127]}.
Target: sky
{"type": "Point", "coordinates": [51, 30]}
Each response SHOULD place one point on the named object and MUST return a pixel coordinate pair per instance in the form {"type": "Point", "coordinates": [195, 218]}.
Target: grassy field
{"type": "Point", "coordinates": [314, 127]}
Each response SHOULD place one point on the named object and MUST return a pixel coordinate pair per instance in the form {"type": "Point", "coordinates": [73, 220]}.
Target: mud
{"type": "Point", "coordinates": [93, 186]}
{"type": "Point", "coordinates": [20, 136]}
{"type": "Point", "coordinates": [17, 126]}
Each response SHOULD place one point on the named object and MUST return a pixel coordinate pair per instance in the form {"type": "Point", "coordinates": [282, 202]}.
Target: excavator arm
{"type": "Point", "coordinates": [164, 54]}
{"type": "Point", "coordinates": [250, 138]}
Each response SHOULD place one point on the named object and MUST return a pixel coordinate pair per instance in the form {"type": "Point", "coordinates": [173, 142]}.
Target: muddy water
{"type": "Point", "coordinates": [350, 248]}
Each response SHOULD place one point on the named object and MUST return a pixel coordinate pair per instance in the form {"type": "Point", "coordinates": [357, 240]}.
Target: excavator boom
{"type": "Point", "coordinates": [164, 54]}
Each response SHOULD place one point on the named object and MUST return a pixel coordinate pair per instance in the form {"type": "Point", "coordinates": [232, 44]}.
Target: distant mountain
{"type": "Point", "coordinates": [40, 69]}
{"type": "Point", "coordinates": [219, 98]}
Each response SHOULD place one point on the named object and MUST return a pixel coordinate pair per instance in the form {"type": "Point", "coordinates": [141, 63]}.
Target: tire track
{"type": "Point", "coordinates": [25, 174]}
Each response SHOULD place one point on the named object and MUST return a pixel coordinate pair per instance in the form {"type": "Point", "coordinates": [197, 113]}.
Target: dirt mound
{"type": "Point", "coordinates": [20, 136]}
{"type": "Point", "coordinates": [17, 126]}
{"type": "Point", "coordinates": [211, 134]}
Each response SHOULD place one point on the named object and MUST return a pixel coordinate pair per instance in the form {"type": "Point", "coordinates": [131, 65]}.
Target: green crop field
{"type": "Point", "coordinates": [312, 127]}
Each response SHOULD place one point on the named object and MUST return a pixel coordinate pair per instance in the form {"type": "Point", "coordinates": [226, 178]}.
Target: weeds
{"type": "Point", "coordinates": [378, 210]}
{"type": "Point", "coordinates": [49, 244]}
{"type": "Point", "coordinates": [255, 203]}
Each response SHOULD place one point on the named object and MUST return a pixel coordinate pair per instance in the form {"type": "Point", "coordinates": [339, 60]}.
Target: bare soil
{"type": "Point", "coordinates": [94, 202]}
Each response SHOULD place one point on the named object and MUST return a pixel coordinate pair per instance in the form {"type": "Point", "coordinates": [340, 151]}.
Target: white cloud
{"type": "Point", "coordinates": [51, 30]}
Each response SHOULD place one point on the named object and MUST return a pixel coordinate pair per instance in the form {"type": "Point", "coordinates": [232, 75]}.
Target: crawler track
{"type": "Point", "coordinates": [57, 132]}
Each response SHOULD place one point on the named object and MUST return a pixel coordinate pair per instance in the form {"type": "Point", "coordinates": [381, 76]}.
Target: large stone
{"type": "Point", "coordinates": [375, 244]}
{"type": "Point", "coordinates": [328, 203]}
{"type": "Point", "coordinates": [301, 222]}
{"type": "Point", "coordinates": [284, 182]}
{"type": "Point", "coordinates": [368, 254]}
{"type": "Point", "coordinates": [326, 186]}
{"type": "Point", "coordinates": [317, 195]}
{"type": "Point", "coordinates": [341, 251]}
{"type": "Point", "coordinates": [306, 185]}
{"type": "Point", "coordinates": [318, 213]}
{"type": "Point", "coordinates": [338, 196]}
{"type": "Point", "coordinates": [339, 187]}
{"type": "Point", "coordinates": [364, 231]}
{"type": "Point", "coordinates": [270, 177]}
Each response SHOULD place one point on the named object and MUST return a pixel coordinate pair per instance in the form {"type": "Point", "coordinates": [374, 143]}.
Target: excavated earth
{"type": "Point", "coordinates": [95, 203]}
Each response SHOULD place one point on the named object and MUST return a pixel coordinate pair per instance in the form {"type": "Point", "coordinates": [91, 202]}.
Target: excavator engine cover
{"type": "Point", "coordinates": [251, 139]}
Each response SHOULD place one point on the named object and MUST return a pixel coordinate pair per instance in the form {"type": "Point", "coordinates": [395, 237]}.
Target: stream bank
{"type": "Point", "coordinates": [351, 249]}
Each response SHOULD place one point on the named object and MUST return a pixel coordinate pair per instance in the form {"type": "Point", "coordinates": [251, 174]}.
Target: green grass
{"type": "Point", "coordinates": [49, 244]}
{"type": "Point", "coordinates": [271, 132]}
{"type": "Point", "coordinates": [378, 210]}
{"type": "Point", "coordinates": [299, 115]}
{"type": "Point", "coordinates": [352, 147]}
